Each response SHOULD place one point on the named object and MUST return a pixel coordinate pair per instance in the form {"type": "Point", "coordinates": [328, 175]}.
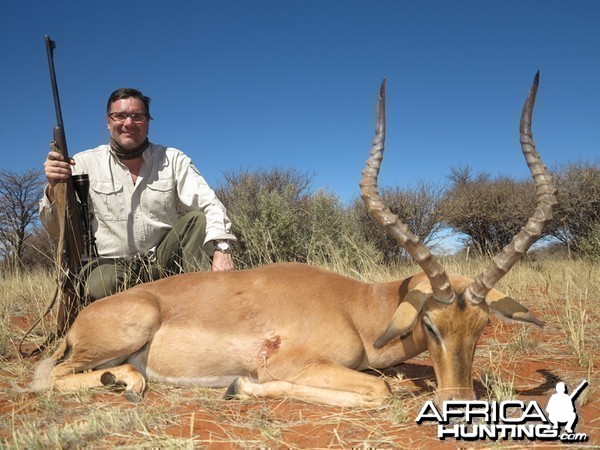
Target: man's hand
{"type": "Point", "coordinates": [222, 262]}
{"type": "Point", "coordinates": [56, 169]}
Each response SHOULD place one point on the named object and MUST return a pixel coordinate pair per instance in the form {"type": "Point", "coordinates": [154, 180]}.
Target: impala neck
{"type": "Point", "coordinates": [384, 301]}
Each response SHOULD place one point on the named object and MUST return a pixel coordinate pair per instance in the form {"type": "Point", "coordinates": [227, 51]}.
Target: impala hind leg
{"type": "Point", "coordinates": [324, 383]}
{"type": "Point", "coordinates": [94, 369]}
{"type": "Point", "coordinates": [69, 376]}
{"type": "Point", "coordinates": [106, 334]}
{"type": "Point", "coordinates": [124, 375]}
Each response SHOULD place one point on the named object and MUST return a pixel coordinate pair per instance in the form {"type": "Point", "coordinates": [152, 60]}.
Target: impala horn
{"type": "Point", "coordinates": [546, 195]}
{"type": "Point", "coordinates": [440, 284]}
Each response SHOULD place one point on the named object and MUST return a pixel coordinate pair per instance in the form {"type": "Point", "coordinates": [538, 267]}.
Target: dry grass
{"type": "Point", "coordinates": [24, 296]}
{"type": "Point", "coordinates": [565, 294]}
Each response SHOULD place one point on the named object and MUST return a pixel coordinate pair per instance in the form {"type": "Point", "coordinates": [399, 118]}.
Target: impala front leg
{"type": "Point", "coordinates": [324, 382]}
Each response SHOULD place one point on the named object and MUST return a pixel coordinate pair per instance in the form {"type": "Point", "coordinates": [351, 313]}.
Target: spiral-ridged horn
{"type": "Point", "coordinates": [438, 278]}
{"type": "Point", "coordinates": [546, 195]}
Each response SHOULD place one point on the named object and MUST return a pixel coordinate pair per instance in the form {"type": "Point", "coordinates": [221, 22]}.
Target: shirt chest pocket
{"type": "Point", "coordinates": [108, 202]}
{"type": "Point", "coordinates": [159, 200]}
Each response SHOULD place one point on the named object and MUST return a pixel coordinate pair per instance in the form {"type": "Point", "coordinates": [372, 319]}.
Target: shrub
{"type": "Point", "coordinates": [276, 218]}
{"type": "Point", "coordinates": [489, 211]}
{"type": "Point", "coordinates": [577, 215]}
{"type": "Point", "coordinates": [418, 208]}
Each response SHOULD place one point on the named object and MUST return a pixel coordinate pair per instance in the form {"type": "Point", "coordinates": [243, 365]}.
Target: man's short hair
{"type": "Point", "coordinates": [124, 93]}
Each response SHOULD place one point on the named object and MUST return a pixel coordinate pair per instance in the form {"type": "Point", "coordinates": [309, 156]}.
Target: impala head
{"type": "Point", "coordinates": [450, 310]}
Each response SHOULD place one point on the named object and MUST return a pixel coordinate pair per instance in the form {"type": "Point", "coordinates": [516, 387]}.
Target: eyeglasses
{"type": "Point", "coordinates": [135, 117]}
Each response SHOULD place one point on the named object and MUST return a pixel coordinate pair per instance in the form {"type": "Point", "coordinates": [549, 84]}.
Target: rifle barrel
{"type": "Point", "coordinates": [578, 389]}
{"type": "Point", "coordinates": [50, 46]}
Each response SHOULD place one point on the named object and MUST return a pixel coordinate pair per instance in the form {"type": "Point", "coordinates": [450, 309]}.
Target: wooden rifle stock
{"type": "Point", "coordinates": [70, 249]}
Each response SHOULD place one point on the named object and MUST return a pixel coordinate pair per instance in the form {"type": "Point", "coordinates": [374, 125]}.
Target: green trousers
{"type": "Point", "coordinates": [180, 251]}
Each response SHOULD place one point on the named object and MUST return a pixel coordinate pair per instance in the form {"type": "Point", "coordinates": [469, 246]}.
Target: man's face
{"type": "Point", "coordinates": [128, 134]}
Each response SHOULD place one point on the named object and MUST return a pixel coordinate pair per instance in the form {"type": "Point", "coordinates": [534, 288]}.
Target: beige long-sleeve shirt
{"type": "Point", "coordinates": [132, 219]}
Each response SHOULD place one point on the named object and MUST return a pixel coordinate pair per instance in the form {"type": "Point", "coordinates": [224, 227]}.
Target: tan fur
{"type": "Point", "coordinates": [285, 330]}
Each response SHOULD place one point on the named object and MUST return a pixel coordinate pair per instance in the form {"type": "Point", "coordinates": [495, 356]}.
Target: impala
{"type": "Point", "coordinates": [296, 331]}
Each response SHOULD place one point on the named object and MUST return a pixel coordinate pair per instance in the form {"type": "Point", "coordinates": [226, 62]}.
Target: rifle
{"type": "Point", "coordinates": [73, 245]}
{"type": "Point", "coordinates": [70, 248]}
{"type": "Point", "coordinates": [578, 390]}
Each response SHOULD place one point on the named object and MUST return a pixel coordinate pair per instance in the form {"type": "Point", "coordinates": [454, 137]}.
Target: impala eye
{"type": "Point", "coordinates": [431, 329]}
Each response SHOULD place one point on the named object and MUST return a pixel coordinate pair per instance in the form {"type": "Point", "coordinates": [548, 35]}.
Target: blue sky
{"type": "Point", "coordinates": [249, 84]}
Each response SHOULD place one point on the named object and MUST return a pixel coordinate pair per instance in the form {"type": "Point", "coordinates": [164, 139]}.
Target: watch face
{"type": "Point", "coordinates": [223, 246]}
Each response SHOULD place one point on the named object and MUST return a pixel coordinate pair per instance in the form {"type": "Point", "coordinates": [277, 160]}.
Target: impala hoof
{"type": "Point", "coordinates": [133, 397]}
{"type": "Point", "coordinates": [233, 390]}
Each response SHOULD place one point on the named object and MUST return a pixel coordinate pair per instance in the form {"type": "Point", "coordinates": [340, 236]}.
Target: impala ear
{"type": "Point", "coordinates": [406, 315]}
{"type": "Point", "coordinates": [509, 309]}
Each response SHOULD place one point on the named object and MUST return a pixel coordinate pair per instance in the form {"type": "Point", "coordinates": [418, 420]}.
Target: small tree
{"type": "Point", "coordinates": [577, 215]}
{"type": "Point", "coordinates": [418, 208]}
{"type": "Point", "coordinates": [19, 197]}
{"type": "Point", "coordinates": [488, 211]}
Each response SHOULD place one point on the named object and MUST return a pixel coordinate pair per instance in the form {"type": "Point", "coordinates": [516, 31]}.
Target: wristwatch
{"type": "Point", "coordinates": [223, 246]}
